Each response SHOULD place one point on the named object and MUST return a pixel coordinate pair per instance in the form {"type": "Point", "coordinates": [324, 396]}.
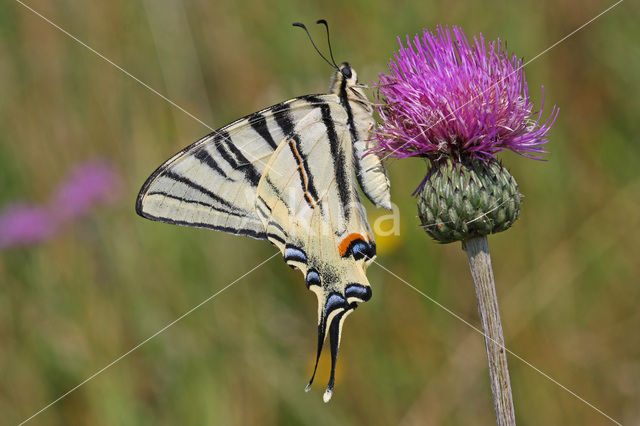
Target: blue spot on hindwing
{"type": "Point", "coordinates": [313, 278]}
{"type": "Point", "coordinates": [335, 301]}
{"type": "Point", "coordinates": [358, 291]}
{"type": "Point", "coordinates": [361, 249]}
{"type": "Point", "coordinates": [294, 254]}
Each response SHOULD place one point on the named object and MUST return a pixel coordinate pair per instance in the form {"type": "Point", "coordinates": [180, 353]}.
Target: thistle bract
{"type": "Point", "coordinates": [466, 199]}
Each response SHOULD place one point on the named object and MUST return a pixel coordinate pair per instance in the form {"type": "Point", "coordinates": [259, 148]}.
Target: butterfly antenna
{"type": "Point", "coordinates": [324, 22]}
{"type": "Point", "coordinates": [298, 24]}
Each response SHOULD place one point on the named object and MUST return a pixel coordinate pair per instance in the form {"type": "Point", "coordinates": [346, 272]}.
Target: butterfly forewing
{"type": "Point", "coordinates": [212, 183]}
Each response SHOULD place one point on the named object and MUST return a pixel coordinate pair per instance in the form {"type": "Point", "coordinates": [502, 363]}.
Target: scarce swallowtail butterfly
{"type": "Point", "coordinates": [289, 174]}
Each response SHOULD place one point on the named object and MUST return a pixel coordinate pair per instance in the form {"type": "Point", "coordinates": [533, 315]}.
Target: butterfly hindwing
{"type": "Point", "coordinates": [325, 233]}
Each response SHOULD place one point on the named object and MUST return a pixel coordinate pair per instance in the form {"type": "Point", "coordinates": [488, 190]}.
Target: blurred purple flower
{"type": "Point", "coordinates": [23, 224]}
{"type": "Point", "coordinates": [89, 184]}
{"type": "Point", "coordinates": [446, 97]}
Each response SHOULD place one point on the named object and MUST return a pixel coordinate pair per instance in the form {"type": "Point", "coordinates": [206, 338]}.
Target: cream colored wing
{"type": "Point", "coordinates": [308, 202]}
{"type": "Point", "coordinates": [212, 183]}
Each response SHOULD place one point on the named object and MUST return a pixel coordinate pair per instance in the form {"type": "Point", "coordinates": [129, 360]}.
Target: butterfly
{"type": "Point", "coordinates": [289, 174]}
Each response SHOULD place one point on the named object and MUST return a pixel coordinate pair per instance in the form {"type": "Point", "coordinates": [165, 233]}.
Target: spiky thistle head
{"type": "Point", "coordinates": [458, 103]}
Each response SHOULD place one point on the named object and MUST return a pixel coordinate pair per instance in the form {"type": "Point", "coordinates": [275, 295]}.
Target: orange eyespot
{"type": "Point", "coordinates": [344, 244]}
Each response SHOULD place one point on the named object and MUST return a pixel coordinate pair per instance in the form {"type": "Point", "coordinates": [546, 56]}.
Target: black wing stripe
{"type": "Point", "coordinates": [305, 166]}
{"type": "Point", "coordinates": [173, 176]}
{"type": "Point", "coordinates": [234, 157]}
{"type": "Point", "coordinates": [239, 231]}
{"type": "Point", "coordinates": [247, 168]}
{"type": "Point", "coordinates": [200, 203]}
{"type": "Point", "coordinates": [259, 198]}
{"type": "Point", "coordinates": [259, 124]}
{"type": "Point", "coordinates": [306, 180]}
{"type": "Point", "coordinates": [277, 226]}
{"type": "Point", "coordinates": [277, 192]}
{"type": "Point", "coordinates": [220, 140]}
{"type": "Point", "coordinates": [338, 159]}
{"type": "Point", "coordinates": [282, 114]}
{"type": "Point", "coordinates": [344, 101]}
{"type": "Point", "coordinates": [283, 118]}
{"type": "Point", "coordinates": [204, 157]}
{"type": "Point", "coordinates": [261, 211]}
{"type": "Point", "coordinates": [271, 236]}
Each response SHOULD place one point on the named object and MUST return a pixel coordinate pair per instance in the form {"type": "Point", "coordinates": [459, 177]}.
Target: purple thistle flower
{"type": "Point", "coordinates": [89, 184]}
{"type": "Point", "coordinates": [457, 104]}
{"type": "Point", "coordinates": [446, 97]}
{"type": "Point", "coordinates": [24, 224]}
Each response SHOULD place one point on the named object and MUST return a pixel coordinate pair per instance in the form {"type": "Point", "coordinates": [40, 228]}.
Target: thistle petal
{"type": "Point", "coordinates": [446, 95]}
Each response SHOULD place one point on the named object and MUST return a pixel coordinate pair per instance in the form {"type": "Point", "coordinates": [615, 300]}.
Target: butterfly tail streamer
{"type": "Point", "coordinates": [335, 333]}
{"type": "Point", "coordinates": [321, 338]}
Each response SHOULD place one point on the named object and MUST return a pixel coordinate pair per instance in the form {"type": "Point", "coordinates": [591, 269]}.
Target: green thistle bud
{"type": "Point", "coordinates": [466, 199]}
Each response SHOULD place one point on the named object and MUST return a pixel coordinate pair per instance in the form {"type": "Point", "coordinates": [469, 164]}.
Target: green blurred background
{"type": "Point", "coordinates": [567, 272]}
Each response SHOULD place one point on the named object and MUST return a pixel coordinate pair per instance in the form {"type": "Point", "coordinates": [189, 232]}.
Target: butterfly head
{"type": "Point", "coordinates": [347, 73]}
{"type": "Point", "coordinates": [344, 80]}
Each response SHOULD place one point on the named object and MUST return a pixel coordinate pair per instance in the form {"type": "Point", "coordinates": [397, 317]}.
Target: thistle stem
{"type": "Point", "coordinates": [477, 250]}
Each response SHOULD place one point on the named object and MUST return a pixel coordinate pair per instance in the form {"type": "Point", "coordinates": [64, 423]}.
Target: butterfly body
{"type": "Point", "coordinates": [288, 174]}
